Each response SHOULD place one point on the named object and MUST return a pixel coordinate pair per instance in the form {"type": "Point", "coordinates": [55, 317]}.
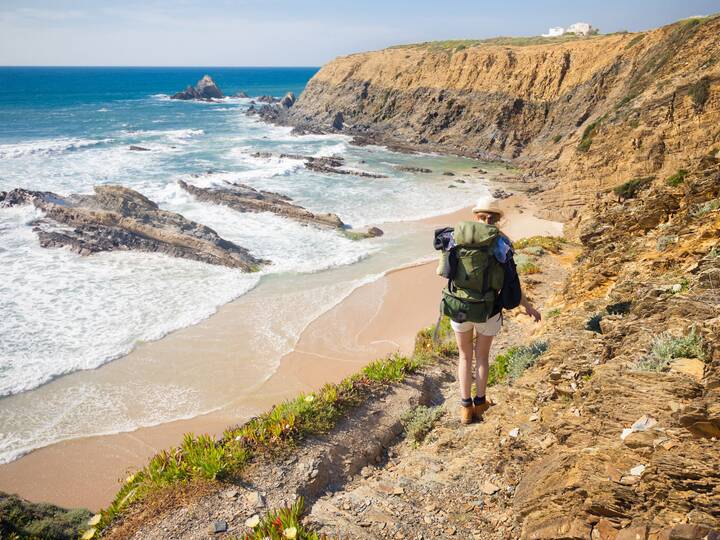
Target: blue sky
{"type": "Point", "coordinates": [286, 33]}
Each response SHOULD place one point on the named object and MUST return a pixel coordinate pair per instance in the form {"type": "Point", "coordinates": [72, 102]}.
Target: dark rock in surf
{"type": "Point", "coordinates": [117, 218]}
{"type": "Point", "coordinates": [288, 101]}
{"type": "Point", "coordinates": [324, 164]}
{"type": "Point", "coordinates": [244, 198]}
{"type": "Point", "coordinates": [407, 168]}
{"type": "Point", "coordinates": [204, 90]}
{"type": "Point", "coordinates": [138, 148]}
{"type": "Point", "coordinates": [241, 94]}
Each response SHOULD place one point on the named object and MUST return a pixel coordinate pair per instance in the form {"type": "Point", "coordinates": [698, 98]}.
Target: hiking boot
{"type": "Point", "coordinates": [466, 414]}
{"type": "Point", "coordinates": [479, 410]}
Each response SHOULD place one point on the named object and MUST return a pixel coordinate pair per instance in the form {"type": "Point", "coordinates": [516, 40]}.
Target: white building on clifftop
{"type": "Point", "coordinates": [579, 29]}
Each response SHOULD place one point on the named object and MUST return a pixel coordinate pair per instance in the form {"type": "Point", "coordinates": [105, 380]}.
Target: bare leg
{"type": "Point", "coordinates": [482, 355]}
{"type": "Point", "coordinates": [465, 346]}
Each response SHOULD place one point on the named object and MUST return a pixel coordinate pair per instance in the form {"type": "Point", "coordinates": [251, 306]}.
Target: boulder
{"type": "Point", "coordinates": [288, 101]}
{"type": "Point", "coordinates": [241, 94]}
{"type": "Point", "coordinates": [338, 122]}
{"type": "Point", "coordinates": [117, 218]}
{"type": "Point", "coordinates": [266, 99]}
{"type": "Point", "coordinates": [204, 90]}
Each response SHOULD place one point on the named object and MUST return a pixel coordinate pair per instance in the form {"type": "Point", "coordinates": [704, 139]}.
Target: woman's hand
{"type": "Point", "coordinates": [534, 313]}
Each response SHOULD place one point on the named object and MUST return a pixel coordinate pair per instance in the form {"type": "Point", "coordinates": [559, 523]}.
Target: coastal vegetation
{"type": "Point", "coordinates": [677, 178]}
{"type": "Point", "coordinates": [510, 365]}
{"type": "Point", "coordinates": [21, 519]}
{"type": "Point", "coordinates": [588, 134]}
{"type": "Point", "coordinates": [456, 45]}
{"type": "Point", "coordinates": [629, 189]}
{"type": "Point", "coordinates": [667, 347]}
{"type": "Point", "coordinates": [282, 524]}
{"type": "Point", "coordinates": [553, 244]}
{"type": "Point", "coordinates": [418, 422]}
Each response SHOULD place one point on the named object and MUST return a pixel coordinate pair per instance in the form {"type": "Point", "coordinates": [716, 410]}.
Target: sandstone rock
{"type": "Point", "coordinates": [689, 366]}
{"type": "Point", "coordinates": [633, 533]}
{"type": "Point", "coordinates": [204, 90]}
{"type": "Point", "coordinates": [119, 218]}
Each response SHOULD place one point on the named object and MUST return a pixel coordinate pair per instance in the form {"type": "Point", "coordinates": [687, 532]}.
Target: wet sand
{"type": "Point", "coordinates": [376, 319]}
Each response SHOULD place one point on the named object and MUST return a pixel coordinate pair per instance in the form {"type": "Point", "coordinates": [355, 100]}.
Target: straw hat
{"type": "Point", "coordinates": [487, 205]}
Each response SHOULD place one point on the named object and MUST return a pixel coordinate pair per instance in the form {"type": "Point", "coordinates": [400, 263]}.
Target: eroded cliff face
{"type": "Point", "coordinates": [586, 115]}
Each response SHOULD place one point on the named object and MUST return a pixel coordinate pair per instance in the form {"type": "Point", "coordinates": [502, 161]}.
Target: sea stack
{"type": "Point", "coordinates": [204, 90]}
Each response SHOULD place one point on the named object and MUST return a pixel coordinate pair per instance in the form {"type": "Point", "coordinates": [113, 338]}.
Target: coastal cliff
{"type": "Point", "coordinates": [583, 114]}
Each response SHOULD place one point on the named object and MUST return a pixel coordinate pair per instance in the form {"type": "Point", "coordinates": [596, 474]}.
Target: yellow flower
{"type": "Point", "coordinates": [90, 533]}
{"type": "Point", "coordinates": [309, 398]}
{"type": "Point", "coordinates": [290, 532]}
{"type": "Point", "coordinates": [94, 520]}
{"type": "Point", "coordinates": [253, 521]}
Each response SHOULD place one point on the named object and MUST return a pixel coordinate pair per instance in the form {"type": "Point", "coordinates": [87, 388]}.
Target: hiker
{"type": "Point", "coordinates": [478, 261]}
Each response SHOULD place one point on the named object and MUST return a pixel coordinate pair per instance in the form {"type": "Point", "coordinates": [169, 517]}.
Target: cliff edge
{"type": "Point", "coordinates": [585, 114]}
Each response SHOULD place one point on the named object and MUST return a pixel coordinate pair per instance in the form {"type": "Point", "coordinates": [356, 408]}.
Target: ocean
{"type": "Point", "coordinates": [68, 129]}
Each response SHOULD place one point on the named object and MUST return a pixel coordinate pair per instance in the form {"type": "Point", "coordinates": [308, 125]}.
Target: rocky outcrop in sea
{"type": "Point", "coordinates": [204, 90]}
{"type": "Point", "coordinates": [118, 218]}
{"type": "Point", "coordinates": [244, 198]}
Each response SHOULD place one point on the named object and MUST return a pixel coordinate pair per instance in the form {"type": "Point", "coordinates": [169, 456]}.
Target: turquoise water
{"type": "Point", "coordinates": [68, 129]}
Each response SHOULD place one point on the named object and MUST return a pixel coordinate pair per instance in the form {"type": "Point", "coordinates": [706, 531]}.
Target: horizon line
{"type": "Point", "coordinates": [150, 66]}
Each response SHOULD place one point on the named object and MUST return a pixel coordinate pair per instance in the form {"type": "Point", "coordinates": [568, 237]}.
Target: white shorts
{"type": "Point", "coordinates": [491, 327]}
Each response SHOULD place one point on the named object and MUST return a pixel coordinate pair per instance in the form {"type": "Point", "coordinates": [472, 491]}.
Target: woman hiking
{"type": "Point", "coordinates": [482, 281]}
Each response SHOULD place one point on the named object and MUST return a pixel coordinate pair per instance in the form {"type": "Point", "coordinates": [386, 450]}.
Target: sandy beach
{"type": "Point", "coordinates": [376, 319]}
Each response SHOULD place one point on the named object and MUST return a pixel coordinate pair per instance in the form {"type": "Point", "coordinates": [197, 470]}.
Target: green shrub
{"type": "Point", "coordinates": [392, 369]}
{"type": "Point", "coordinates": [418, 422]}
{"type": "Point", "coordinates": [553, 244]}
{"type": "Point", "coordinates": [556, 138]}
{"type": "Point", "coordinates": [705, 208]}
{"type": "Point", "coordinates": [445, 345]}
{"type": "Point", "coordinates": [513, 363]}
{"type": "Point", "coordinates": [536, 251]}
{"type": "Point", "coordinates": [593, 323]}
{"type": "Point", "coordinates": [699, 92]}
{"type": "Point", "coordinates": [553, 313]}
{"type": "Point", "coordinates": [629, 189]}
{"type": "Point", "coordinates": [666, 348]}
{"type": "Point", "coordinates": [526, 265]}
{"type": "Point", "coordinates": [497, 373]}
{"type": "Point", "coordinates": [588, 134]}
{"type": "Point", "coordinates": [23, 519]}
{"type": "Point", "coordinates": [676, 179]}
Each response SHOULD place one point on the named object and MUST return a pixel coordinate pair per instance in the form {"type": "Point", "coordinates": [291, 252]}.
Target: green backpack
{"type": "Point", "coordinates": [473, 288]}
